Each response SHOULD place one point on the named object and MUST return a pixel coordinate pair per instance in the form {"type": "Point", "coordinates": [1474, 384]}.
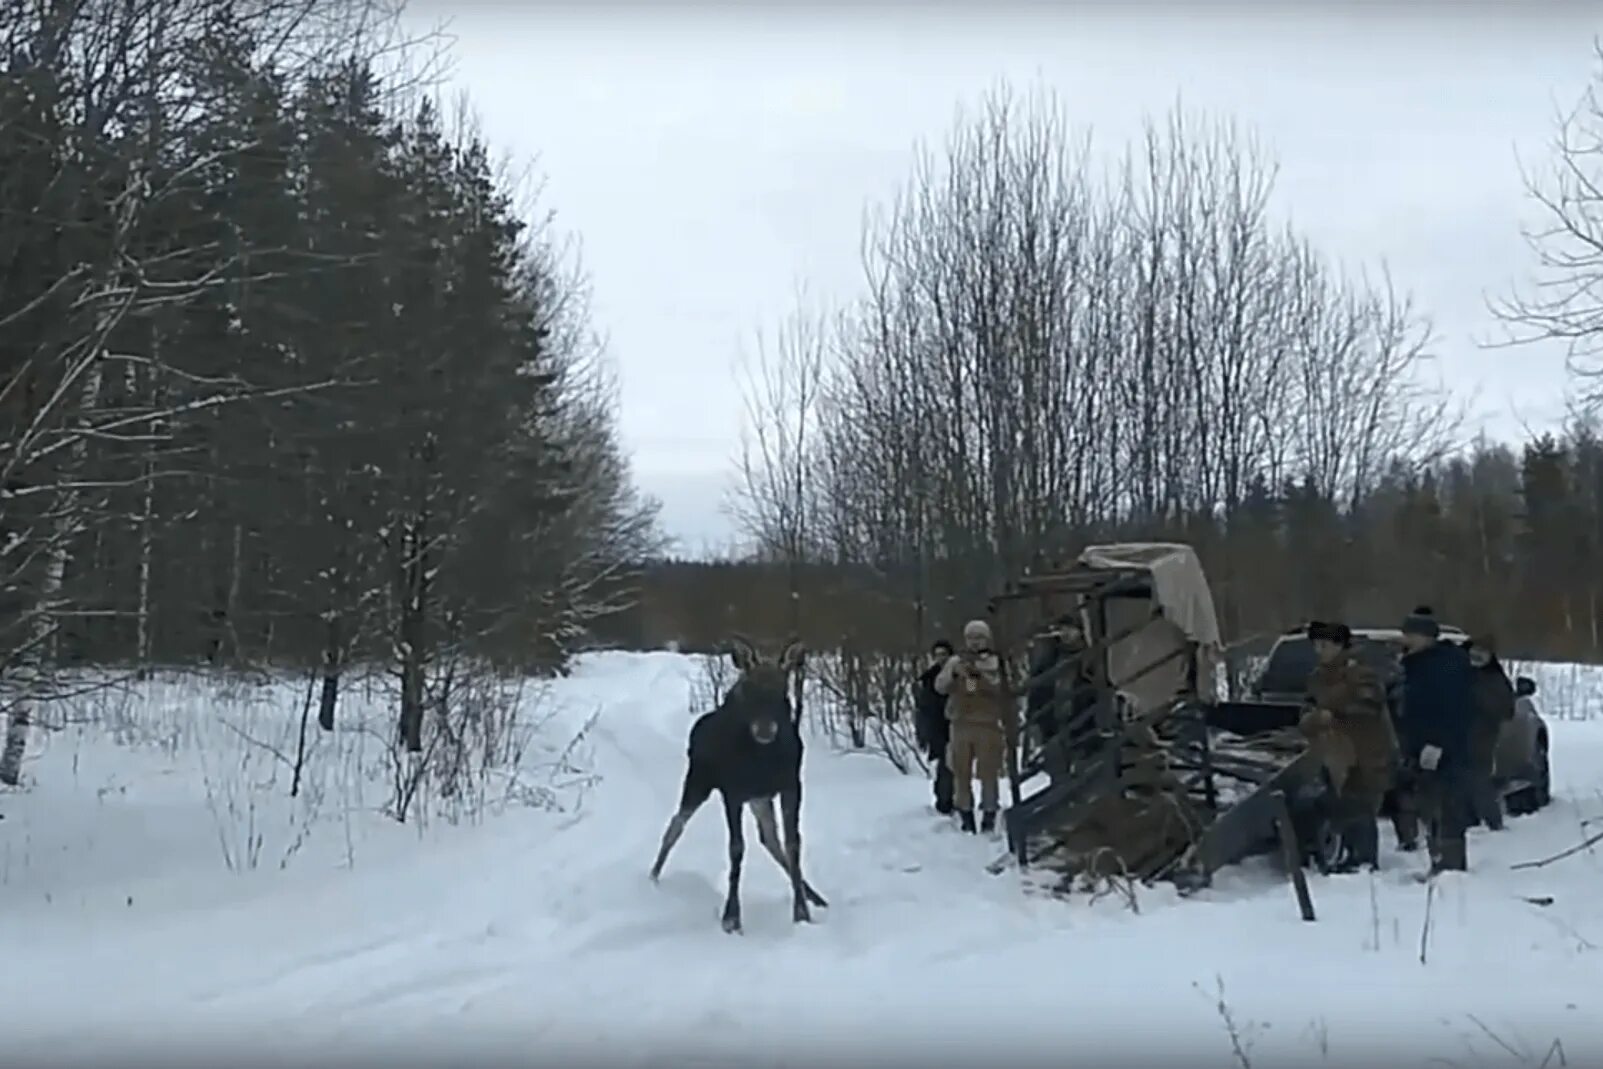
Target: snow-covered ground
{"type": "Point", "coordinates": [161, 896]}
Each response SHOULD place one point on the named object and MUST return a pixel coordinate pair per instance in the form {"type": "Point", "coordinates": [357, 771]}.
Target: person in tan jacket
{"type": "Point", "coordinates": [1350, 723]}
{"type": "Point", "coordinates": [981, 710]}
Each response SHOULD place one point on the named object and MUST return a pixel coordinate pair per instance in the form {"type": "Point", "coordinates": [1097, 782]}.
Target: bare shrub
{"type": "Point", "coordinates": [479, 752]}
{"type": "Point", "coordinates": [707, 688]}
{"type": "Point", "coordinates": [865, 703]}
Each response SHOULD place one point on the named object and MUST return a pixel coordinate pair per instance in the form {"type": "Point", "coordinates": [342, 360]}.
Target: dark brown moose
{"type": "Point", "coordinates": [749, 750]}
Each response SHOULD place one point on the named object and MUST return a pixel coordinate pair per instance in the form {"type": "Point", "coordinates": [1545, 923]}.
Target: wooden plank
{"type": "Point", "coordinates": [1246, 771]}
{"type": "Point", "coordinates": [1293, 856]}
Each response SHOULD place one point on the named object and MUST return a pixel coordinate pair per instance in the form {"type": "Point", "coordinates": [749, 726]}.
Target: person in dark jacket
{"type": "Point", "coordinates": [1056, 690]}
{"type": "Point", "coordinates": [1040, 693]}
{"type": "Point", "coordinates": [933, 730]}
{"type": "Point", "coordinates": [1494, 707]}
{"type": "Point", "coordinates": [1438, 706]}
{"type": "Point", "coordinates": [1405, 806]}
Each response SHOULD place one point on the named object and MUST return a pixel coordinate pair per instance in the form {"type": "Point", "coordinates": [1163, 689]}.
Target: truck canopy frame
{"type": "Point", "coordinates": [1135, 752]}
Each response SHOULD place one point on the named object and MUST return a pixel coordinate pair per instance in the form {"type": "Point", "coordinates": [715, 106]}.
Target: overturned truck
{"type": "Point", "coordinates": [1135, 766]}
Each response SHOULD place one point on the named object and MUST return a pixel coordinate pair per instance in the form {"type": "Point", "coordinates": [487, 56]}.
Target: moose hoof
{"type": "Point", "coordinates": [732, 923]}
{"type": "Point", "coordinates": [800, 914]}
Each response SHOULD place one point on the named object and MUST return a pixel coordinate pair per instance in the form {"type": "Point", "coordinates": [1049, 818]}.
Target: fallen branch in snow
{"type": "Point", "coordinates": [1557, 1049]}
{"type": "Point", "coordinates": [1374, 912]}
{"type": "Point", "coordinates": [1242, 1037]}
{"type": "Point", "coordinates": [1100, 882]}
{"type": "Point", "coordinates": [1585, 844]}
{"type": "Point", "coordinates": [1319, 1029]}
{"type": "Point", "coordinates": [1495, 1038]}
{"type": "Point", "coordinates": [1518, 1050]}
{"type": "Point", "coordinates": [1582, 943]}
{"type": "Point", "coordinates": [1424, 928]}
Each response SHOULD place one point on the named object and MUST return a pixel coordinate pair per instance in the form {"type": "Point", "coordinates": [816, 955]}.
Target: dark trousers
{"type": "Point", "coordinates": [1444, 803]}
{"type": "Point", "coordinates": [1486, 802]}
{"type": "Point", "coordinates": [943, 770]}
{"type": "Point", "coordinates": [1486, 799]}
{"type": "Point", "coordinates": [1359, 810]}
{"type": "Point", "coordinates": [943, 785]}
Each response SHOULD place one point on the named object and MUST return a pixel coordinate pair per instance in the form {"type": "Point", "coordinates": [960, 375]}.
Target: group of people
{"type": "Point", "coordinates": [1429, 735]}
{"type": "Point", "coordinates": [966, 723]}
{"type": "Point", "coordinates": [1433, 745]}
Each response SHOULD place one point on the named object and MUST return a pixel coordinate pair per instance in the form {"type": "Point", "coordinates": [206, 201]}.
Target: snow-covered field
{"type": "Point", "coordinates": [161, 896]}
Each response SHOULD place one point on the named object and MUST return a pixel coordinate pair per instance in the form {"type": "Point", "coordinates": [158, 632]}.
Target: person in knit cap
{"type": "Point", "coordinates": [1438, 707]}
{"type": "Point", "coordinates": [980, 707]}
{"type": "Point", "coordinates": [1350, 724]}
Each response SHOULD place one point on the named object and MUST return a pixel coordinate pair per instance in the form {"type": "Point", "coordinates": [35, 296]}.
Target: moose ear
{"type": "Point", "coordinates": [793, 657]}
{"type": "Point", "coordinates": [741, 652]}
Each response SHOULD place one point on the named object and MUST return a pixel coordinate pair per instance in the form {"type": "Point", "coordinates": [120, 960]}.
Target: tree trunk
{"type": "Point", "coordinates": [32, 665]}
{"type": "Point", "coordinates": [332, 663]}
{"type": "Point", "coordinates": [414, 609]}
{"type": "Point", "coordinates": [147, 542]}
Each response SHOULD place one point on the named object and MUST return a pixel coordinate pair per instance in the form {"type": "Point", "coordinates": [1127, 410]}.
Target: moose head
{"type": "Point", "coordinates": [761, 696]}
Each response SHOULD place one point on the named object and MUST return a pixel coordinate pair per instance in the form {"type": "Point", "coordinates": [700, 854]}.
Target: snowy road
{"type": "Point", "coordinates": [540, 932]}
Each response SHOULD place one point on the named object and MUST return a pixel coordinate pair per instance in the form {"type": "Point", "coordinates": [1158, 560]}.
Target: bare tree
{"type": "Point", "coordinates": [1045, 354]}
{"type": "Point", "coordinates": [254, 208]}
{"type": "Point", "coordinates": [102, 133]}
{"type": "Point", "coordinates": [1564, 302]}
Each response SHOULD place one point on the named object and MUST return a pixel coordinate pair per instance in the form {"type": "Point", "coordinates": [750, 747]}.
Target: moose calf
{"type": "Point", "coordinates": [749, 750]}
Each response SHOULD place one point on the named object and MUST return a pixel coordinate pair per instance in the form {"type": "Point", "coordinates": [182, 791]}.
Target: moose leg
{"type": "Point", "coordinates": [695, 792]}
{"type": "Point", "coordinates": [768, 835]}
{"type": "Point", "coordinates": [733, 812]}
{"type": "Point", "coordinates": [790, 808]}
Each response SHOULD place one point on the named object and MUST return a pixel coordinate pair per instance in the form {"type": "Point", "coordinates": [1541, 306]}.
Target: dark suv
{"type": "Point", "coordinates": [1291, 661]}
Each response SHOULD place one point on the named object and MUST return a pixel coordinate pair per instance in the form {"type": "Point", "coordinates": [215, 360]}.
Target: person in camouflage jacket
{"type": "Point", "coordinates": [984, 719]}
{"type": "Point", "coordinates": [1349, 719]}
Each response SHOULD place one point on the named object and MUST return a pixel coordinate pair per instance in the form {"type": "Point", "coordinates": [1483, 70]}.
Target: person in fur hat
{"type": "Point", "coordinates": [1350, 723]}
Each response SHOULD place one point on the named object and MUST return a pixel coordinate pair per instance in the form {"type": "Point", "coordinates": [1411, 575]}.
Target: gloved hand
{"type": "Point", "coordinates": [1430, 757]}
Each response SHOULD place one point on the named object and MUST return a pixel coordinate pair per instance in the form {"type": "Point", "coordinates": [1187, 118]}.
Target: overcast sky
{"type": "Point", "coordinates": [710, 160]}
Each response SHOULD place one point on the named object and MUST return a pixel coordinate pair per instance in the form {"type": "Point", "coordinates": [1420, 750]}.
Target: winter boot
{"type": "Point", "coordinates": [1362, 842]}
{"type": "Point", "coordinates": [943, 790]}
{"type": "Point", "coordinates": [988, 821]}
{"type": "Point", "coordinates": [965, 819]}
{"type": "Point", "coordinates": [1452, 857]}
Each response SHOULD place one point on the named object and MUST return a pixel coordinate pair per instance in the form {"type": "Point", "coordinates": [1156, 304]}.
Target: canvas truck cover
{"type": "Point", "coordinates": [1180, 590]}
